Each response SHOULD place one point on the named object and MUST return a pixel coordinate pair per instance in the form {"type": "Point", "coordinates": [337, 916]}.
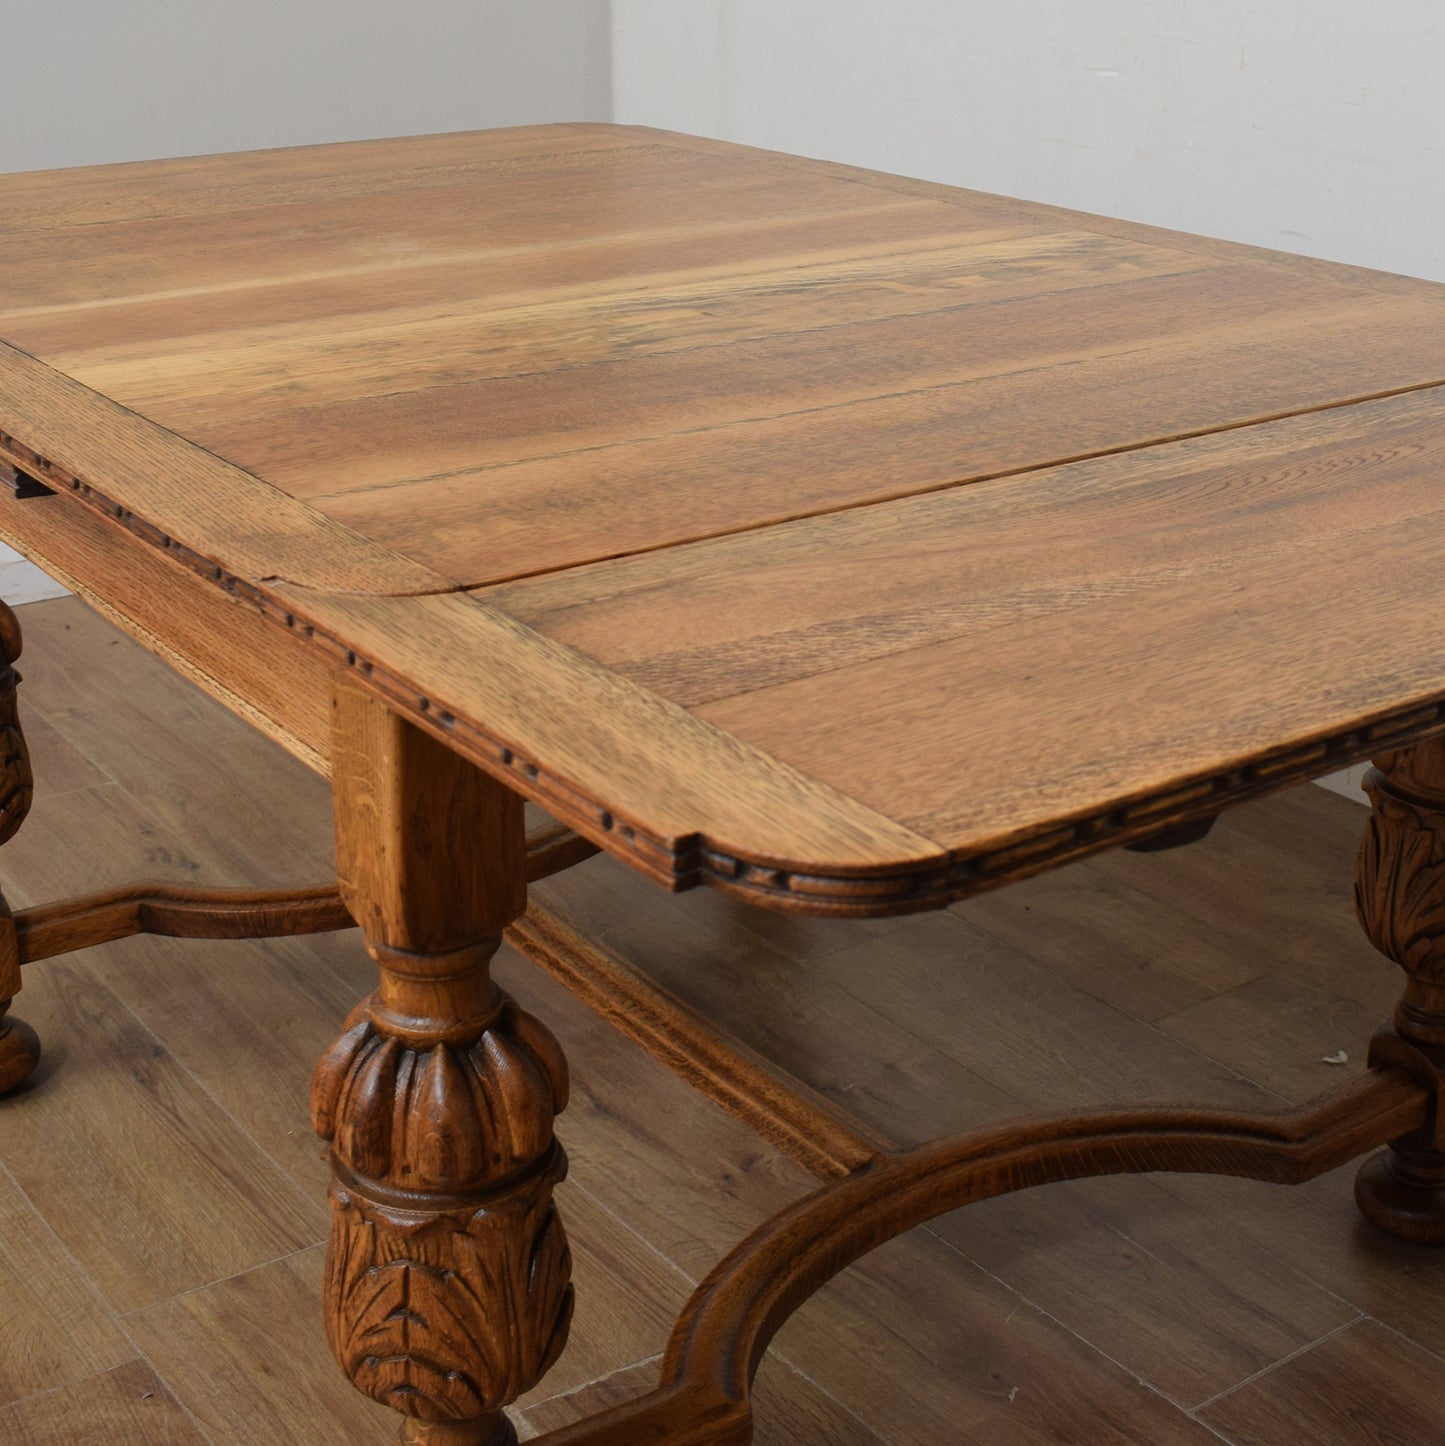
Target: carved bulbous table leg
{"type": "Point", "coordinates": [447, 1276]}
{"type": "Point", "coordinates": [1400, 898]}
{"type": "Point", "coordinates": [19, 1048]}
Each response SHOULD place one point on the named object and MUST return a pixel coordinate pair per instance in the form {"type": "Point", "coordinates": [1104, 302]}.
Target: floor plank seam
{"type": "Point", "coordinates": [298, 1190]}
{"type": "Point", "coordinates": [577, 1390]}
{"type": "Point", "coordinates": [692, 1285]}
{"type": "Point", "coordinates": [636, 1234]}
{"type": "Point", "coordinates": [107, 782]}
{"type": "Point", "coordinates": [1048, 1315]}
{"type": "Point", "coordinates": [1213, 1430]}
{"type": "Point", "coordinates": [1275, 1365]}
{"type": "Point", "coordinates": [221, 1280]}
{"type": "Point", "coordinates": [172, 1391]}
{"type": "Point", "coordinates": [81, 1272]}
{"type": "Point", "coordinates": [1119, 1386]}
{"type": "Point", "coordinates": [113, 1315]}
{"type": "Point", "coordinates": [1396, 1331]}
{"type": "Point", "coordinates": [23, 897]}
{"type": "Point", "coordinates": [960, 911]}
{"type": "Point", "coordinates": [1172, 1042]}
{"type": "Point", "coordinates": [1182, 1407]}
{"type": "Point", "coordinates": [1346, 1222]}
{"type": "Point", "coordinates": [64, 1386]}
{"type": "Point", "coordinates": [229, 876]}
{"type": "Point", "coordinates": [160, 1375]}
{"type": "Point", "coordinates": [1270, 1098]}
{"type": "Point", "coordinates": [828, 1395]}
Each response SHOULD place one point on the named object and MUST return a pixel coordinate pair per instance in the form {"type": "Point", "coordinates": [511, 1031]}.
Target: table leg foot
{"type": "Point", "coordinates": [1400, 899]}
{"type": "Point", "coordinates": [1402, 1192]}
{"type": "Point", "coordinates": [19, 1049]}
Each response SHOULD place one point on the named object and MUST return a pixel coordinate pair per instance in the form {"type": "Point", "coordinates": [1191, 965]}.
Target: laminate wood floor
{"type": "Point", "coordinates": [161, 1198]}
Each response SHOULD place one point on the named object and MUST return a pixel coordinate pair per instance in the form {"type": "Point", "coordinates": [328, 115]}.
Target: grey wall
{"type": "Point", "coordinates": [88, 81]}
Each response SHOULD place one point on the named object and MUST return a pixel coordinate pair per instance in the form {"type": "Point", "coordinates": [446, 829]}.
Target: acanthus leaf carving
{"type": "Point", "coordinates": [1400, 881]}
{"type": "Point", "coordinates": [448, 1269]}
{"type": "Point", "coordinates": [447, 1315]}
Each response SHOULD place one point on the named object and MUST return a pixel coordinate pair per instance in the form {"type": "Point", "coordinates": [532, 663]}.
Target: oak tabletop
{"type": "Point", "coordinates": [846, 541]}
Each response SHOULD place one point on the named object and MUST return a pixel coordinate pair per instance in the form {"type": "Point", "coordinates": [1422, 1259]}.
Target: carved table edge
{"type": "Point", "coordinates": [682, 862]}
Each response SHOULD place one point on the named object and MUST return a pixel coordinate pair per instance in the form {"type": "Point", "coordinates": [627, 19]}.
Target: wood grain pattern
{"type": "Point", "coordinates": [67, 1332]}
{"type": "Point", "coordinates": [180, 498]}
{"type": "Point", "coordinates": [674, 488]}
{"type": "Point", "coordinates": [580, 192]}
{"type": "Point", "coordinates": [623, 384]}
{"type": "Point", "coordinates": [417, 284]}
{"type": "Point", "coordinates": [249, 1358]}
{"type": "Point", "coordinates": [128, 1403]}
{"type": "Point", "coordinates": [721, 466]}
{"type": "Point", "coordinates": [1176, 1298]}
{"type": "Point", "coordinates": [142, 1234]}
{"type": "Point", "coordinates": [176, 911]}
{"type": "Point", "coordinates": [702, 623]}
{"type": "Point", "coordinates": [596, 342]}
{"type": "Point", "coordinates": [973, 292]}
{"type": "Point", "coordinates": [1222, 669]}
{"type": "Point", "coordinates": [791, 1409]}
{"type": "Point", "coordinates": [1387, 282]}
{"type": "Point", "coordinates": [264, 841]}
{"type": "Point", "coordinates": [233, 1350]}
{"type": "Point", "coordinates": [191, 185]}
{"type": "Point", "coordinates": [1398, 883]}
{"type": "Point", "coordinates": [214, 377]}
{"type": "Point", "coordinates": [184, 913]}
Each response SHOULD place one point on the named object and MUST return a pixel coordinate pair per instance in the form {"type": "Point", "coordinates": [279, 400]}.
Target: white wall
{"type": "Point", "coordinates": [1310, 125]}
{"type": "Point", "coordinates": [88, 81]}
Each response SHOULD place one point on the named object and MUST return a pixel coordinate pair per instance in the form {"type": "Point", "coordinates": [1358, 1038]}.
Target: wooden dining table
{"type": "Point", "coordinates": [848, 543]}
